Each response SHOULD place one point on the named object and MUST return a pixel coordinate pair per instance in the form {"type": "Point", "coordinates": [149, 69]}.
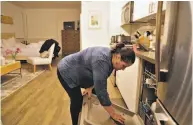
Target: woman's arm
{"type": "Point", "coordinates": [100, 71]}
{"type": "Point", "coordinates": [100, 75]}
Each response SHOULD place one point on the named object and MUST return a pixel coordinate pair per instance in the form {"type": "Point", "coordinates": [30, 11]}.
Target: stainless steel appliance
{"type": "Point", "coordinates": [123, 39]}
{"type": "Point", "coordinates": [178, 88]}
{"type": "Point", "coordinates": [127, 39]}
{"type": "Point", "coordinates": [113, 39]}
{"type": "Point", "coordinates": [120, 38]}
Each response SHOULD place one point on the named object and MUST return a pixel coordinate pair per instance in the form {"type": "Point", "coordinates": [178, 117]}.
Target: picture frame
{"type": "Point", "coordinates": [94, 21]}
{"type": "Point", "coordinates": [6, 19]}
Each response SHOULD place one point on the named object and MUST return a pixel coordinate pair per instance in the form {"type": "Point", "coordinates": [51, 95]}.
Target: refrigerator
{"type": "Point", "coordinates": [176, 58]}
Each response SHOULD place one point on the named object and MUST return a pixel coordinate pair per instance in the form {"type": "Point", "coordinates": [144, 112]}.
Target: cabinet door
{"type": "Point", "coordinates": [140, 9]}
{"type": "Point", "coordinates": [145, 8]}
{"type": "Point", "coordinates": [153, 6]}
{"type": "Point", "coordinates": [164, 5]}
{"type": "Point", "coordinates": [127, 84]}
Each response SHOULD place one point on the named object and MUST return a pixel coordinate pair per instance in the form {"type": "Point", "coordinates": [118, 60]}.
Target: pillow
{"type": "Point", "coordinates": [33, 45]}
{"type": "Point", "coordinates": [41, 42]}
{"type": "Point", "coordinates": [20, 45]}
{"type": "Point", "coordinates": [44, 54]}
{"type": "Point", "coordinates": [1, 44]}
{"type": "Point", "coordinates": [11, 42]}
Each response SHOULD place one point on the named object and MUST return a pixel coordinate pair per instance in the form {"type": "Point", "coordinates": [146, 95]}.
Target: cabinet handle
{"type": "Point", "coordinates": [149, 8]}
{"type": "Point", "coordinates": [153, 7]}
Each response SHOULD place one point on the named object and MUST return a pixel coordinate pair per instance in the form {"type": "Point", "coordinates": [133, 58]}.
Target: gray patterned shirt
{"type": "Point", "coordinates": [89, 67]}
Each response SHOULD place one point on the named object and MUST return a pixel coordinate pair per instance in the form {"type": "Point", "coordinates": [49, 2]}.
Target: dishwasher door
{"type": "Point", "coordinates": [94, 114]}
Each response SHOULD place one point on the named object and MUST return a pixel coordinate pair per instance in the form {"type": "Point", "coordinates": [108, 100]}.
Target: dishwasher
{"type": "Point", "coordinates": [94, 114]}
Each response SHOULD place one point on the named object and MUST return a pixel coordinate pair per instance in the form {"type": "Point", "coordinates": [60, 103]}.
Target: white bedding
{"type": "Point", "coordinates": [30, 50]}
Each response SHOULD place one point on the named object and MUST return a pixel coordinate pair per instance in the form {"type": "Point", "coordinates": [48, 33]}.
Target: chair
{"type": "Point", "coordinates": [42, 61]}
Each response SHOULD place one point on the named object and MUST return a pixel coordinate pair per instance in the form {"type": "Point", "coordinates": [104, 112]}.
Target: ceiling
{"type": "Point", "coordinates": [48, 4]}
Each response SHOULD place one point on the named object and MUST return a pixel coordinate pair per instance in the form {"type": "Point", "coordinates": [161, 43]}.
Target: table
{"type": "Point", "coordinates": [8, 68]}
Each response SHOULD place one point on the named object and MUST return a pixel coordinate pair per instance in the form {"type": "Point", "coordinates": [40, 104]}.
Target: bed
{"type": "Point", "coordinates": [8, 41]}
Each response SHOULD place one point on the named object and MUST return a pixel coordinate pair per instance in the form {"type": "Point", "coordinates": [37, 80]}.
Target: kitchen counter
{"type": "Point", "coordinates": [148, 56]}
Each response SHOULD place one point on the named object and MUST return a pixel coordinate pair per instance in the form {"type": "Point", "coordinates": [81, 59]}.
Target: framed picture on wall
{"type": "Point", "coordinates": [94, 20]}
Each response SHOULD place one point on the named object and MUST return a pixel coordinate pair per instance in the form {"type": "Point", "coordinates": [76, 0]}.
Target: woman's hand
{"type": "Point", "coordinates": [118, 117]}
{"type": "Point", "coordinates": [113, 114]}
{"type": "Point", "coordinates": [135, 48]}
{"type": "Point", "coordinates": [88, 91]}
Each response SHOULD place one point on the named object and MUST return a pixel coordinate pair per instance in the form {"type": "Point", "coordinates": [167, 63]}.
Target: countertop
{"type": "Point", "coordinates": [148, 56]}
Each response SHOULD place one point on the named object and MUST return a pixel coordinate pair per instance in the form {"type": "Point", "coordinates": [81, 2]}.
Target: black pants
{"type": "Point", "coordinates": [75, 99]}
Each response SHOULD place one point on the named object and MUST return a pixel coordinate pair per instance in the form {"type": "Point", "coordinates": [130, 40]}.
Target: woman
{"type": "Point", "coordinates": [90, 69]}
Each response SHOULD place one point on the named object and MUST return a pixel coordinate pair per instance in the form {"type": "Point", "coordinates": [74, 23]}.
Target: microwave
{"type": "Point", "coordinates": [127, 13]}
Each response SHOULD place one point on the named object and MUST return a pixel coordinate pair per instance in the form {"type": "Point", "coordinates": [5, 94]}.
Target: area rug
{"type": "Point", "coordinates": [13, 82]}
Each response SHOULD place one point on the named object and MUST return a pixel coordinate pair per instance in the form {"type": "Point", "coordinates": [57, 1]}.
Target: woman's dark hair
{"type": "Point", "coordinates": [127, 54]}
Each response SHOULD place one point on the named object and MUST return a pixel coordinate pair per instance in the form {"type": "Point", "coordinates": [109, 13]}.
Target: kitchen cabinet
{"type": "Point", "coordinates": [153, 7]}
{"type": "Point", "coordinates": [164, 5]}
{"type": "Point", "coordinates": [140, 9]}
{"type": "Point", "coordinates": [126, 81]}
{"type": "Point", "coordinates": [145, 8]}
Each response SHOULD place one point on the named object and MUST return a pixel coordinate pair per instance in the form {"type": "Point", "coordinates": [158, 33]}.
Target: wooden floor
{"type": "Point", "coordinates": [43, 101]}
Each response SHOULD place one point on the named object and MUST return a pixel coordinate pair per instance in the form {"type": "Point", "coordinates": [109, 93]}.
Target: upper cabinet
{"type": "Point", "coordinates": [164, 5]}
{"type": "Point", "coordinates": [145, 8]}
{"type": "Point", "coordinates": [140, 9]}
{"type": "Point", "coordinates": [154, 5]}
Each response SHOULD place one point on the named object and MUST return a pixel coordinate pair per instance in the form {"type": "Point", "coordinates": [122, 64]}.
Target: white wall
{"type": "Point", "coordinates": [48, 23]}
{"type": "Point", "coordinates": [115, 17]}
{"type": "Point", "coordinates": [16, 13]}
{"type": "Point", "coordinates": [111, 22]}
{"type": "Point", "coordinates": [94, 37]}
